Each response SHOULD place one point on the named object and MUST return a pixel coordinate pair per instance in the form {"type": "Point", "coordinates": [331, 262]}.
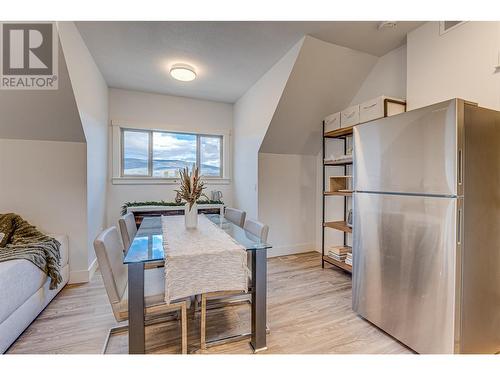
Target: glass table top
{"type": "Point", "coordinates": [147, 245]}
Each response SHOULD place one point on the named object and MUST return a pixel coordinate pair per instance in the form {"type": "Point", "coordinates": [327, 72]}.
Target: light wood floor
{"type": "Point", "coordinates": [309, 311]}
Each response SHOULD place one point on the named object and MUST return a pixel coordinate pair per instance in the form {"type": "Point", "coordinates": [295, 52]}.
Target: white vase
{"type": "Point", "coordinates": [191, 216]}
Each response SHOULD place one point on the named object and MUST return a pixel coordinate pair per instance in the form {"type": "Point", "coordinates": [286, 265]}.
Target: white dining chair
{"type": "Point", "coordinates": [128, 229]}
{"type": "Point", "coordinates": [235, 216]}
{"type": "Point", "coordinates": [260, 231]}
{"type": "Point", "coordinates": [257, 228]}
{"type": "Point", "coordinates": [109, 254]}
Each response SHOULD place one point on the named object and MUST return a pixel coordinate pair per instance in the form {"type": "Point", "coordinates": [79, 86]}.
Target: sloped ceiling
{"type": "Point", "coordinates": [46, 115]}
{"type": "Point", "coordinates": [324, 79]}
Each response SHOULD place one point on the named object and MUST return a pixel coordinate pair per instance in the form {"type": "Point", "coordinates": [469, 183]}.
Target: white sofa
{"type": "Point", "coordinates": [24, 293]}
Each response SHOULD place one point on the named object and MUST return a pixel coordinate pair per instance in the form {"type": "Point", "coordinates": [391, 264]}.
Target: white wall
{"type": "Point", "coordinates": [45, 183]}
{"type": "Point", "coordinates": [164, 112]}
{"type": "Point", "coordinates": [459, 63]}
{"type": "Point", "coordinates": [287, 192]}
{"type": "Point", "coordinates": [43, 164]}
{"type": "Point", "coordinates": [387, 77]}
{"type": "Point", "coordinates": [91, 95]}
{"type": "Point", "coordinates": [252, 115]}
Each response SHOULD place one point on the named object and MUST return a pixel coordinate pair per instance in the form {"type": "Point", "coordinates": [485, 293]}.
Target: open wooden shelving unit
{"type": "Point", "coordinates": [341, 193]}
{"type": "Point", "coordinates": [338, 163]}
{"type": "Point", "coordinates": [341, 134]}
{"type": "Point", "coordinates": [339, 225]}
{"type": "Point", "coordinates": [334, 262]}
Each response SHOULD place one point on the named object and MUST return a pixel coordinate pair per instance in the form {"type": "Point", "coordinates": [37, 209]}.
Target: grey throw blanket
{"type": "Point", "coordinates": [23, 241]}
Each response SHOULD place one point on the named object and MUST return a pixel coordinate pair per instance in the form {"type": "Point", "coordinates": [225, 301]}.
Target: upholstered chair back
{"type": "Point", "coordinates": [257, 229]}
{"type": "Point", "coordinates": [235, 216]}
{"type": "Point", "coordinates": [109, 254]}
{"type": "Point", "coordinates": [128, 229]}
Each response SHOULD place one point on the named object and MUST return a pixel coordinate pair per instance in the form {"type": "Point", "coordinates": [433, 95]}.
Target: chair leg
{"type": "Point", "coordinates": [203, 343]}
{"type": "Point", "coordinates": [111, 331]}
{"type": "Point", "coordinates": [184, 328]}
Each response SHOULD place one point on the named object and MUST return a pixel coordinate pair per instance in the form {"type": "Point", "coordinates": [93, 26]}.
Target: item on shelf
{"type": "Point", "coordinates": [332, 122]}
{"type": "Point", "coordinates": [339, 250]}
{"type": "Point", "coordinates": [339, 183]}
{"type": "Point", "coordinates": [339, 253]}
{"type": "Point", "coordinates": [349, 116]}
{"type": "Point", "coordinates": [381, 106]}
{"type": "Point", "coordinates": [339, 159]}
{"type": "Point", "coordinates": [349, 219]}
{"type": "Point", "coordinates": [348, 259]}
{"type": "Point", "coordinates": [216, 195]}
{"type": "Point", "coordinates": [338, 258]}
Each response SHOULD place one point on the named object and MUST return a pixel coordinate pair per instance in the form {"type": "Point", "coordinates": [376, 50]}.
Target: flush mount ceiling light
{"type": "Point", "coordinates": [387, 25]}
{"type": "Point", "coordinates": [183, 72]}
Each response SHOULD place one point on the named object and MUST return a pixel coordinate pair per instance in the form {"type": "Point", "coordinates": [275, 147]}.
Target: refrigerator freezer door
{"type": "Point", "coordinates": [414, 152]}
{"type": "Point", "coordinates": [404, 267]}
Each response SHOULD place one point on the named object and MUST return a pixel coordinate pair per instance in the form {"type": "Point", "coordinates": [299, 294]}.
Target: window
{"type": "Point", "coordinates": [147, 153]}
{"type": "Point", "coordinates": [210, 156]}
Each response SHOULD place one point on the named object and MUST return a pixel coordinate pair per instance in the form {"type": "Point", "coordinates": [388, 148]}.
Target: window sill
{"type": "Point", "coordinates": [164, 181]}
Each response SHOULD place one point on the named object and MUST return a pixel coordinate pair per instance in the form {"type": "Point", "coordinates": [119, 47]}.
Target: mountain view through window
{"type": "Point", "coordinates": [162, 154]}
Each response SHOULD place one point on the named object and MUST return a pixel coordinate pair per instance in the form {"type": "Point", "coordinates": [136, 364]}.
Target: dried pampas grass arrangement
{"type": "Point", "coordinates": [191, 186]}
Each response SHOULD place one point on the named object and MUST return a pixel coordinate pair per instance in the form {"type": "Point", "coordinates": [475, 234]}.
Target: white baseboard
{"type": "Point", "coordinates": [83, 276]}
{"type": "Point", "coordinates": [291, 249]}
{"type": "Point", "coordinates": [78, 277]}
{"type": "Point", "coordinates": [92, 269]}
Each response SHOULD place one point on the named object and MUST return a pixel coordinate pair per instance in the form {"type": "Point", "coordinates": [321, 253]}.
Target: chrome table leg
{"type": "Point", "coordinates": [259, 300]}
{"type": "Point", "coordinates": [136, 334]}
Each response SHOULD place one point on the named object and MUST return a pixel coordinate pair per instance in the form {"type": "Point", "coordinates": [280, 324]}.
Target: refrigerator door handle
{"type": "Point", "coordinates": [459, 226]}
{"type": "Point", "coordinates": [460, 161]}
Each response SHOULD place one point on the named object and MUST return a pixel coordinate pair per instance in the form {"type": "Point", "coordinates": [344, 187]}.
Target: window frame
{"type": "Point", "coordinates": [122, 153]}
{"type": "Point", "coordinates": [221, 153]}
{"type": "Point", "coordinates": [151, 152]}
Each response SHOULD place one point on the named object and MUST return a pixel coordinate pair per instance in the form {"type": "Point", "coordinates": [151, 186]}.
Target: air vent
{"type": "Point", "coordinates": [445, 26]}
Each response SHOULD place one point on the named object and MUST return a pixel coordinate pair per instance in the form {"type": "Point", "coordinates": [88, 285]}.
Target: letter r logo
{"type": "Point", "coordinates": [27, 48]}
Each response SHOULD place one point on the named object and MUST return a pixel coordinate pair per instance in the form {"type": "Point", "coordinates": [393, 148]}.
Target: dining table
{"type": "Point", "coordinates": [147, 247]}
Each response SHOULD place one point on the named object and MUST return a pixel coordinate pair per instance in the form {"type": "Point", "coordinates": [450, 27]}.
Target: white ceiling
{"type": "Point", "coordinates": [229, 57]}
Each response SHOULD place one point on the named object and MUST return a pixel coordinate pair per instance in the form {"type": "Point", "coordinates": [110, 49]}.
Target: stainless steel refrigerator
{"type": "Point", "coordinates": [426, 232]}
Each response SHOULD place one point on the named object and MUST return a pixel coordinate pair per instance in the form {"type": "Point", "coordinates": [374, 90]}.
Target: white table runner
{"type": "Point", "coordinates": [201, 260]}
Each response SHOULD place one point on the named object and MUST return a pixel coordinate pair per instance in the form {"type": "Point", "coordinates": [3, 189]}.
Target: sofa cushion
{"type": "Point", "coordinates": [19, 279]}
{"type": "Point", "coordinates": [22, 317]}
